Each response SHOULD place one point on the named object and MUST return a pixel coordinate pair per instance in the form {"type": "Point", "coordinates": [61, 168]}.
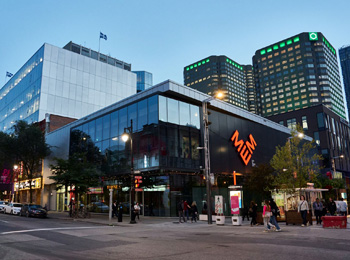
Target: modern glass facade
{"type": "Point", "coordinates": [144, 80]}
{"type": "Point", "coordinates": [298, 72]}
{"type": "Point", "coordinates": [344, 56]}
{"type": "Point", "coordinates": [250, 85]}
{"type": "Point", "coordinates": [61, 82]}
{"type": "Point", "coordinates": [218, 73]}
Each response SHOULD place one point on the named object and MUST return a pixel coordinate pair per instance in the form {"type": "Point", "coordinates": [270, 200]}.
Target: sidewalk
{"type": "Point", "coordinates": [102, 219]}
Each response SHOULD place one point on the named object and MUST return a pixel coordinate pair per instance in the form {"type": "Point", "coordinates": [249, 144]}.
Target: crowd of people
{"type": "Point", "coordinates": [185, 210]}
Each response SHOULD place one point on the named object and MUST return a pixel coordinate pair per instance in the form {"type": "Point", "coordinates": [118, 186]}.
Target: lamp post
{"type": "Point", "coordinates": [333, 161]}
{"type": "Point", "coordinates": [207, 151]}
{"type": "Point", "coordinates": [125, 137]}
{"type": "Point", "coordinates": [15, 178]}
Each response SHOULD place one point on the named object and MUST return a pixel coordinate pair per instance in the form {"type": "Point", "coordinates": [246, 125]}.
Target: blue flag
{"type": "Point", "coordinates": [103, 36]}
{"type": "Point", "coordinates": [8, 74]}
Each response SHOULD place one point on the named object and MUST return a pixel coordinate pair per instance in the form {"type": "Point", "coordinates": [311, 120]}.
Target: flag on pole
{"type": "Point", "coordinates": [103, 36]}
{"type": "Point", "coordinates": [8, 74]}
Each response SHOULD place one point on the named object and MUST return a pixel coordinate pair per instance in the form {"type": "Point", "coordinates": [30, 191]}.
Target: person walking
{"type": "Point", "coordinates": [342, 207]}
{"type": "Point", "coordinates": [245, 212]}
{"type": "Point", "coordinates": [137, 210]}
{"type": "Point", "coordinates": [180, 209]}
{"type": "Point", "coordinates": [71, 207]}
{"type": "Point", "coordinates": [275, 212]}
{"type": "Point", "coordinates": [266, 216]}
{"type": "Point", "coordinates": [331, 207]}
{"type": "Point", "coordinates": [120, 212]}
{"type": "Point", "coordinates": [303, 208]}
{"type": "Point", "coordinates": [318, 207]}
{"type": "Point", "coordinates": [253, 213]}
{"type": "Point", "coordinates": [114, 209]}
{"type": "Point", "coordinates": [194, 211]}
{"type": "Point", "coordinates": [186, 210]}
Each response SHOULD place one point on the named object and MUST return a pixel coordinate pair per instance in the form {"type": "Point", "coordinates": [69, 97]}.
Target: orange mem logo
{"type": "Point", "coordinates": [246, 148]}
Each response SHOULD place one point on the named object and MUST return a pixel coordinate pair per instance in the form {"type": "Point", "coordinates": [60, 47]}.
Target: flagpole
{"type": "Point", "coordinates": [99, 44]}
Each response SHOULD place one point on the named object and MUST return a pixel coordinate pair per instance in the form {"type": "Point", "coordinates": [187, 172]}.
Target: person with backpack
{"type": "Point", "coordinates": [275, 212]}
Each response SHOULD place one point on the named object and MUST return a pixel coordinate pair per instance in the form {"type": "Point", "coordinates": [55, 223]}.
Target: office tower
{"type": "Point", "coordinates": [298, 72]}
{"type": "Point", "coordinates": [218, 73]}
{"type": "Point", "coordinates": [144, 80]}
{"type": "Point", "coordinates": [73, 82]}
{"type": "Point", "coordinates": [344, 56]}
{"type": "Point", "coordinates": [250, 86]}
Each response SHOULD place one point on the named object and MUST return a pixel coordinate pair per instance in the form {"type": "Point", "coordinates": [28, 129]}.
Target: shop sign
{"type": "Point", "coordinates": [6, 176]}
{"type": "Point", "coordinates": [246, 148]}
{"type": "Point", "coordinates": [337, 175]}
{"type": "Point", "coordinates": [25, 185]}
{"type": "Point", "coordinates": [98, 190]}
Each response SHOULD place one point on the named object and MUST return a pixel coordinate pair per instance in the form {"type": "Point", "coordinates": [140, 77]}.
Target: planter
{"type": "Point", "coordinates": [204, 217]}
{"type": "Point", "coordinates": [220, 220]}
{"type": "Point", "coordinates": [293, 217]}
{"type": "Point", "coordinates": [236, 220]}
{"type": "Point", "coordinates": [334, 221]}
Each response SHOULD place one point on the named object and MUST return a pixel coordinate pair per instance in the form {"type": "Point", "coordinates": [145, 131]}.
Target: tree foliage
{"type": "Point", "coordinates": [296, 163]}
{"type": "Point", "coordinates": [260, 180]}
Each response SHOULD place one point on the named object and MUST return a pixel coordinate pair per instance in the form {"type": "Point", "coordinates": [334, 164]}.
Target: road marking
{"type": "Point", "coordinates": [43, 229]}
{"type": "Point", "coordinates": [4, 221]}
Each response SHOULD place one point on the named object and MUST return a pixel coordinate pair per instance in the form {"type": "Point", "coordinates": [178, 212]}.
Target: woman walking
{"type": "Point", "coordinates": [252, 210]}
{"type": "Point", "coordinates": [194, 211]}
{"type": "Point", "coordinates": [303, 208]}
{"type": "Point", "coordinates": [266, 216]}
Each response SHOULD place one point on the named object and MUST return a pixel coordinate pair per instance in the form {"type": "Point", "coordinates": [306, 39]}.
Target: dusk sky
{"type": "Point", "coordinates": [164, 36]}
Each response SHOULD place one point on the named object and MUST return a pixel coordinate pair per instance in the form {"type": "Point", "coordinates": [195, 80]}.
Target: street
{"type": "Point", "coordinates": [163, 238]}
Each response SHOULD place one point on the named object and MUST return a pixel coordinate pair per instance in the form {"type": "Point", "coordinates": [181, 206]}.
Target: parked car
{"type": "Point", "coordinates": [2, 206]}
{"type": "Point", "coordinates": [12, 208]}
{"type": "Point", "coordinates": [32, 210]}
{"type": "Point", "coordinates": [98, 207]}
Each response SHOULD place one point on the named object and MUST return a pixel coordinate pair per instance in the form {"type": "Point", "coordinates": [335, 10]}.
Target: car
{"type": "Point", "coordinates": [33, 210]}
{"type": "Point", "coordinates": [98, 207]}
{"type": "Point", "coordinates": [2, 206]}
{"type": "Point", "coordinates": [12, 208]}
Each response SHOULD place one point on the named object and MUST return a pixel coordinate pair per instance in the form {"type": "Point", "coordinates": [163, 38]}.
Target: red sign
{"type": "Point", "coordinates": [246, 148]}
{"type": "Point", "coordinates": [234, 205]}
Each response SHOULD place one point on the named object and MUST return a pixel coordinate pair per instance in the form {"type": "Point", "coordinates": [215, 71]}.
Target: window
{"type": "Point", "coordinates": [317, 138]}
{"type": "Point", "coordinates": [304, 122]}
{"type": "Point", "coordinates": [320, 120]}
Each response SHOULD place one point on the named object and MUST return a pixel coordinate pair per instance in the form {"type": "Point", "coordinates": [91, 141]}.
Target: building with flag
{"type": "Point", "coordinates": [72, 81]}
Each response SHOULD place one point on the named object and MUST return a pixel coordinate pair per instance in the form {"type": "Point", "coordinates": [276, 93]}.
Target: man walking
{"type": "Point", "coordinates": [318, 207]}
{"type": "Point", "coordinates": [275, 211]}
{"type": "Point", "coordinates": [180, 209]}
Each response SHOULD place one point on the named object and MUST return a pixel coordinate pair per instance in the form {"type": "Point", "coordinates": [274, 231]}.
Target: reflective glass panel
{"type": "Point", "coordinates": [114, 124]}
{"type": "Point", "coordinates": [163, 116]}
{"type": "Point", "coordinates": [98, 134]}
{"type": "Point", "coordinates": [106, 123]}
{"type": "Point", "coordinates": [142, 114]}
{"type": "Point", "coordinates": [185, 114]}
{"type": "Point", "coordinates": [92, 130]}
{"type": "Point", "coordinates": [173, 111]}
{"type": "Point", "coordinates": [132, 115]}
{"type": "Point", "coordinates": [123, 119]}
{"type": "Point", "coordinates": [195, 121]}
{"type": "Point", "coordinates": [153, 110]}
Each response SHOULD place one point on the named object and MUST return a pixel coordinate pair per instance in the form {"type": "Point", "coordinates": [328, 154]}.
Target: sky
{"type": "Point", "coordinates": [163, 36]}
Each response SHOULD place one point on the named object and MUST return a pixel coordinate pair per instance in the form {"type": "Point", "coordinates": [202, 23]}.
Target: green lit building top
{"type": "Point", "coordinates": [218, 73]}
{"type": "Point", "coordinates": [298, 72]}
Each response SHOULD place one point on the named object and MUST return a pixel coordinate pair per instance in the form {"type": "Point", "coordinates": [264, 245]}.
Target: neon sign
{"type": "Point", "coordinates": [246, 148]}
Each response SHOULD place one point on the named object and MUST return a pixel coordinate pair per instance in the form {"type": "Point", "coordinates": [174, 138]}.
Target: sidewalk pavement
{"type": "Point", "coordinates": [103, 219]}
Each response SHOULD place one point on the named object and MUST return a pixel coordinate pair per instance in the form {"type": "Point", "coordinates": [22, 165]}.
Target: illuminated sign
{"type": "Point", "coordinates": [25, 185]}
{"type": "Point", "coordinates": [313, 36]}
{"type": "Point", "coordinates": [246, 148]}
{"type": "Point", "coordinates": [138, 181]}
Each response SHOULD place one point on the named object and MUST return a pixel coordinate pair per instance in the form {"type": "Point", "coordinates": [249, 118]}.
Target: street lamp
{"type": "Point", "coordinates": [128, 131]}
{"type": "Point", "coordinates": [333, 162]}
{"type": "Point", "coordinates": [15, 177]}
{"type": "Point", "coordinates": [207, 151]}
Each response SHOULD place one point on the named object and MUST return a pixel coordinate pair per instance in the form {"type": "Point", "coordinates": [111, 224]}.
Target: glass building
{"type": "Point", "coordinates": [344, 56]}
{"type": "Point", "coordinates": [144, 80]}
{"type": "Point", "coordinates": [298, 72]}
{"type": "Point", "coordinates": [218, 73]}
{"type": "Point", "coordinates": [166, 132]}
{"type": "Point", "coordinates": [64, 82]}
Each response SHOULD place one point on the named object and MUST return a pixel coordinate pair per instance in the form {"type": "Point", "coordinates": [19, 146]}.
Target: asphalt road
{"type": "Point", "coordinates": [31, 238]}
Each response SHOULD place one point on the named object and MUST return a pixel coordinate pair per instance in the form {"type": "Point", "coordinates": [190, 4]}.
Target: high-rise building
{"type": "Point", "coordinates": [73, 81]}
{"type": "Point", "coordinates": [250, 86]}
{"type": "Point", "coordinates": [344, 56]}
{"type": "Point", "coordinates": [218, 73]}
{"type": "Point", "coordinates": [298, 72]}
{"type": "Point", "coordinates": [144, 80]}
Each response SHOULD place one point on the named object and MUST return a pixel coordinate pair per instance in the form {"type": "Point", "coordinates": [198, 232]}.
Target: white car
{"type": "Point", "coordinates": [13, 208]}
{"type": "Point", "coordinates": [2, 206]}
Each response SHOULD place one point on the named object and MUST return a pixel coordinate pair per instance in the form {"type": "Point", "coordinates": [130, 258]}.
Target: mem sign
{"type": "Point", "coordinates": [246, 148]}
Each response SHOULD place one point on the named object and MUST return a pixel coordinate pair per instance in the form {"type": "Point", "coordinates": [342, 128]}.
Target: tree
{"type": "Point", "coordinates": [30, 148]}
{"type": "Point", "coordinates": [260, 180]}
{"type": "Point", "coordinates": [296, 163]}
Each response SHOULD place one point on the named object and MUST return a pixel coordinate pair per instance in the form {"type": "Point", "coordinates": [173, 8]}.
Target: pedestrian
{"type": "Point", "coordinates": [137, 210]}
{"type": "Point", "coordinates": [253, 213]}
{"type": "Point", "coordinates": [71, 206]}
{"type": "Point", "coordinates": [342, 207]}
{"type": "Point", "coordinates": [266, 216]}
{"type": "Point", "coordinates": [303, 208]}
{"type": "Point", "coordinates": [186, 210]}
{"type": "Point", "coordinates": [114, 209]}
{"type": "Point", "coordinates": [318, 207]}
{"type": "Point", "coordinates": [275, 211]}
{"type": "Point", "coordinates": [245, 212]}
{"type": "Point", "coordinates": [194, 211]}
{"type": "Point", "coordinates": [151, 209]}
{"type": "Point", "coordinates": [120, 212]}
{"type": "Point", "coordinates": [324, 208]}
{"type": "Point", "coordinates": [180, 209]}
{"type": "Point", "coordinates": [331, 207]}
